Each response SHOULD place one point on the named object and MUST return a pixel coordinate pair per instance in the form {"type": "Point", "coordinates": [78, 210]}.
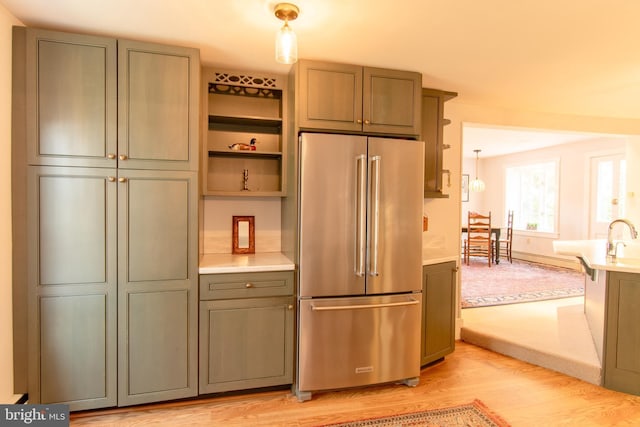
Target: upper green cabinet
{"type": "Point", "coordinates": [353, 98]}
{"type": "Point", "coordinates": [71, 85]}
{"type": "Point", "coordinates": [101, 102]}
{"type": "Point", "coordinates": [158, 106]}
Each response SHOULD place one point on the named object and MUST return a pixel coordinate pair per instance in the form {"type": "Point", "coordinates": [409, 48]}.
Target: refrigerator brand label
{"type": "Point", "coordinates": [364, 369]}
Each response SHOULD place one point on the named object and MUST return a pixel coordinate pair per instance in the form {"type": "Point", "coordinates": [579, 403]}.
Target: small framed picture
{"type": "Point", "coordinates": [244, 239]}
{"type": "Point", "coordinates": [465, 187]}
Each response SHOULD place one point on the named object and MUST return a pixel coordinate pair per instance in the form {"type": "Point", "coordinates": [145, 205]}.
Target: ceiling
{"type": "Point", "coordinates": [566, 57]}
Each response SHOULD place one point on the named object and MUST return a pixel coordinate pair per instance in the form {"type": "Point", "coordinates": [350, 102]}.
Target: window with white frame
{"type": "Point", "coordinates": [532, 193]}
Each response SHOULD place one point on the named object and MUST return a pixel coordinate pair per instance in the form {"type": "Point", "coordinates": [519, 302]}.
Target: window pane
{"type": "Point", "coordinates": [532, 193]}
{"type": "Point", "coordinates": [605, 191]}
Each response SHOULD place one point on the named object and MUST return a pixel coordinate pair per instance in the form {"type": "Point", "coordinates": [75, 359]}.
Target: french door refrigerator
{"type": "Point", "coordinates": [360, 261]}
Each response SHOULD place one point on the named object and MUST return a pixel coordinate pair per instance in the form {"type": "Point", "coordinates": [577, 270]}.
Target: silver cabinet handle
{"type": "Point", "coordinates": [375, 215]}
{"type": "Point", "coordinates": [359, 306]}
{"type": "Point", "coordinates": [361, 222]}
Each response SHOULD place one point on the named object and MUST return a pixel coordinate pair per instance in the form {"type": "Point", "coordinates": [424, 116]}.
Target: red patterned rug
{"type": "Point", "coordinates": [474, 414]}
{"type": "Point", "coordinates": [519, 282]}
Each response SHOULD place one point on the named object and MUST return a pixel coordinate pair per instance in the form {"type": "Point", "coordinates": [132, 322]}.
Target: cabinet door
{"type": "Point", "coordinates": [245, 343]}
{"type": "Point", "coordinates": [158, 106]}
{"type": "Point", "coordinates": [622, 336]}
{"type": "Point", "coordinates": [70, 99]}
{"type": "Point", "coordinates": [392, 101]}
{"type": "Point", "coordinates": [438, 311]}
{"type": "Point", "coordinates": [330, 96]}
{"type": "Point", "coordinates": [72, 286]}
{"type": "Point", "coordinates": [157, 286]}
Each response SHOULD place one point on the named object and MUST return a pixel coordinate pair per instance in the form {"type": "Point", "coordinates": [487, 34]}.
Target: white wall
{"type": "Point", "coordinates": [6, 334]}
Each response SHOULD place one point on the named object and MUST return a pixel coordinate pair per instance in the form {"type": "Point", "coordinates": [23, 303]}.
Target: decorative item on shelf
{"type": "Point", "coordinates": [477, 185]}
{"type": "Point", "coordinates": [244, 240]}
{"type": "Point", "coordinates": [245, 180]}
{"type": "Point", "coordinates": [240, 146]}
{"type": "Point", "coordinates": [286, 40]}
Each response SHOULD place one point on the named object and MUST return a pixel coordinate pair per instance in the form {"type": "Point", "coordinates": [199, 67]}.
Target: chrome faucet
{"type": "Point", "coordinates": [612, 249]}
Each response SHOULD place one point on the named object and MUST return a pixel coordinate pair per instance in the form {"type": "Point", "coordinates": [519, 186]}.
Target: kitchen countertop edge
{"type": "Point", "coordinates": [432, 261]}
{"type": "Point", "coordinates": [594, 254]}
{"type": "Point", "coordinates": [244, 263]}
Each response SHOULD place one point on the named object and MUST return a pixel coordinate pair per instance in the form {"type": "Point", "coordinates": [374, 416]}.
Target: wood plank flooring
{"type": "Point", "coordinates": [522, 394]}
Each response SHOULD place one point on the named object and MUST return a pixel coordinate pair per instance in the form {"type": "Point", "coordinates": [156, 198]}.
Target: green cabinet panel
{"type": "Point", "coordinates": [157, 358]}
{"type": "Point", "coordinates": [157, 285]}
{"type": "Point", "coordinates": [246, 343]}
{"type": "Point", "coordinates": [71, 281]}
{"type": "Point", "coordinates": [76, 356]}
{"type": "Point", "coordinates": [438, 311]}
{"type": "Point", "coordinates": [246, 285]}
{"type": "Point", "coordinates": [158, 106]}
{"type": "Point", "coordinates": [70, 83]}
{"type": "Point", "coordinates": [621, 364]}
{"type": "Point", "coordinates": [353, 98]}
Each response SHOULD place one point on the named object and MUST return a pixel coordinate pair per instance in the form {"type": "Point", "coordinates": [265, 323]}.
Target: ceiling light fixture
{"type": "Point", "coordinates": [286, 40]}
{"type": "Point", "coordinates": [476, 185]}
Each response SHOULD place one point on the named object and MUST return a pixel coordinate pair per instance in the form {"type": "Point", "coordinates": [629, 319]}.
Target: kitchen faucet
{"type": "Point", "coordinates": [612, 249]}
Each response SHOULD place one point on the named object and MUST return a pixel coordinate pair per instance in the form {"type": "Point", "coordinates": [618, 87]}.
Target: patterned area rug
{"type": "Point", "coordinates": [519, 282]}
{"type": "Point", "coordinates": [474, 414]}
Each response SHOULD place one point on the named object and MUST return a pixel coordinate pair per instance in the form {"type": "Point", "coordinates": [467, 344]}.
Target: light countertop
{"type": "Point", "coordinates": [432, 261]}
{"type": "Point", "coordinates": [229, 263]}
{"type": "Point", "coordinates": [594, 254]}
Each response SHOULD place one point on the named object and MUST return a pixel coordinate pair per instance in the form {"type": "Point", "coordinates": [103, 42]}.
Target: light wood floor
{"type": "Point", "coordinates": [522, 394]}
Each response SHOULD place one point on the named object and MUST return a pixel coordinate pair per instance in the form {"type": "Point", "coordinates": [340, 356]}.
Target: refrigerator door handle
{"type": "Point", "coordinates": [375, 214]}
{"type": "Point", "coordinates": [354, 307]}
{"type": "Point", "coordinates": [361, 211]}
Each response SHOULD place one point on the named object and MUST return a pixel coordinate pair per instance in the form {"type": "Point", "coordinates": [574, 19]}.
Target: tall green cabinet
{"type": "Point", "coordinates": [105, 160]}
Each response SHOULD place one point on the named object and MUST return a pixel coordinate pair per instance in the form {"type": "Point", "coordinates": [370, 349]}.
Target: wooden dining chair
{"type": "Point", "coordinates": [478, 241]}
{"type": "Point", "coordinates": [504, 244]}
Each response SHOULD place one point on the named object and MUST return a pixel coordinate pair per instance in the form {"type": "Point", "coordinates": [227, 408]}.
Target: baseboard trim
{"type": "Point", "coordinates": [573, 264]}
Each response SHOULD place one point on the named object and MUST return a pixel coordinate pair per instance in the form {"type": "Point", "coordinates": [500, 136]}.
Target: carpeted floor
{"type": "Point", "coordinates": [474, 414]}
{"type": "Point", "coordinates": [519, 282]}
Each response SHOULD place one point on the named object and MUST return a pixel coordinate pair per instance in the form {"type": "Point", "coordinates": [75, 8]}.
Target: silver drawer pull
{"type": "Point", "coordinates": [248, 285]}
{"type": "Point", "coordinates": [355, 307]}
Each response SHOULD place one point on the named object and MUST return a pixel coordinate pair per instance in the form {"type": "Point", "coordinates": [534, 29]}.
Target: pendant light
{"type": "Point", "coordinates": [286, 40]}
{"type": "Point", "coordinates": [477, 185]}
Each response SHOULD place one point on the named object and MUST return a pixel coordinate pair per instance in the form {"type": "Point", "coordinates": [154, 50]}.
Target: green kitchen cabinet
{"type": "Point", "coordinates": [107, 180]}
{"type": "Point", "coordinates": [157, 285]}
{"type": "Point", "coordinates": [72, 286]}
{"type": "Point", "coordinates": [352, 98]}
{"type": "Point", "coordinates": [438, 311]}
{"type": "Point", "coordinates": [621, 364]}
{"type": "Point", "coordinates": [246, 330]}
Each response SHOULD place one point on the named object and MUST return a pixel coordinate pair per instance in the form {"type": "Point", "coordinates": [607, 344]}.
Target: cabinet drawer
{"type": "Point", "coordinates": [246, 285]}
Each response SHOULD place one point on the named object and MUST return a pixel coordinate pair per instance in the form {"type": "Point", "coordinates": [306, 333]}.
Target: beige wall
{"type": "Point", "coordinates": [6, 346]}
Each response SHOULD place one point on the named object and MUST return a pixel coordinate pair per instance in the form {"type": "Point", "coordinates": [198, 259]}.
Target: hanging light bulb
{"type": "Point", "coordinates": [286, 40]}
{"type": "Point", "coordinates": [477, 185]}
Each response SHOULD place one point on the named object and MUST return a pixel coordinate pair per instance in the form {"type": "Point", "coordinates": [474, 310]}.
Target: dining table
{"type": "Point", "coordinates": [496, 231]}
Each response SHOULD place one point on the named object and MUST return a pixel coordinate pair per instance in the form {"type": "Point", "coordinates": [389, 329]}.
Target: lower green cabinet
{"type": "Point", "coordinates": [246, 342]}
{"type": "Point", "coordinates": [438, 311]}
{"type": "Point", "coordinates": [621, 364]}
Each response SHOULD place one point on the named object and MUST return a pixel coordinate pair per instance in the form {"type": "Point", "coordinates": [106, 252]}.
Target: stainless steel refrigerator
{"type": "Point", "coordinates": [360, 262]}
